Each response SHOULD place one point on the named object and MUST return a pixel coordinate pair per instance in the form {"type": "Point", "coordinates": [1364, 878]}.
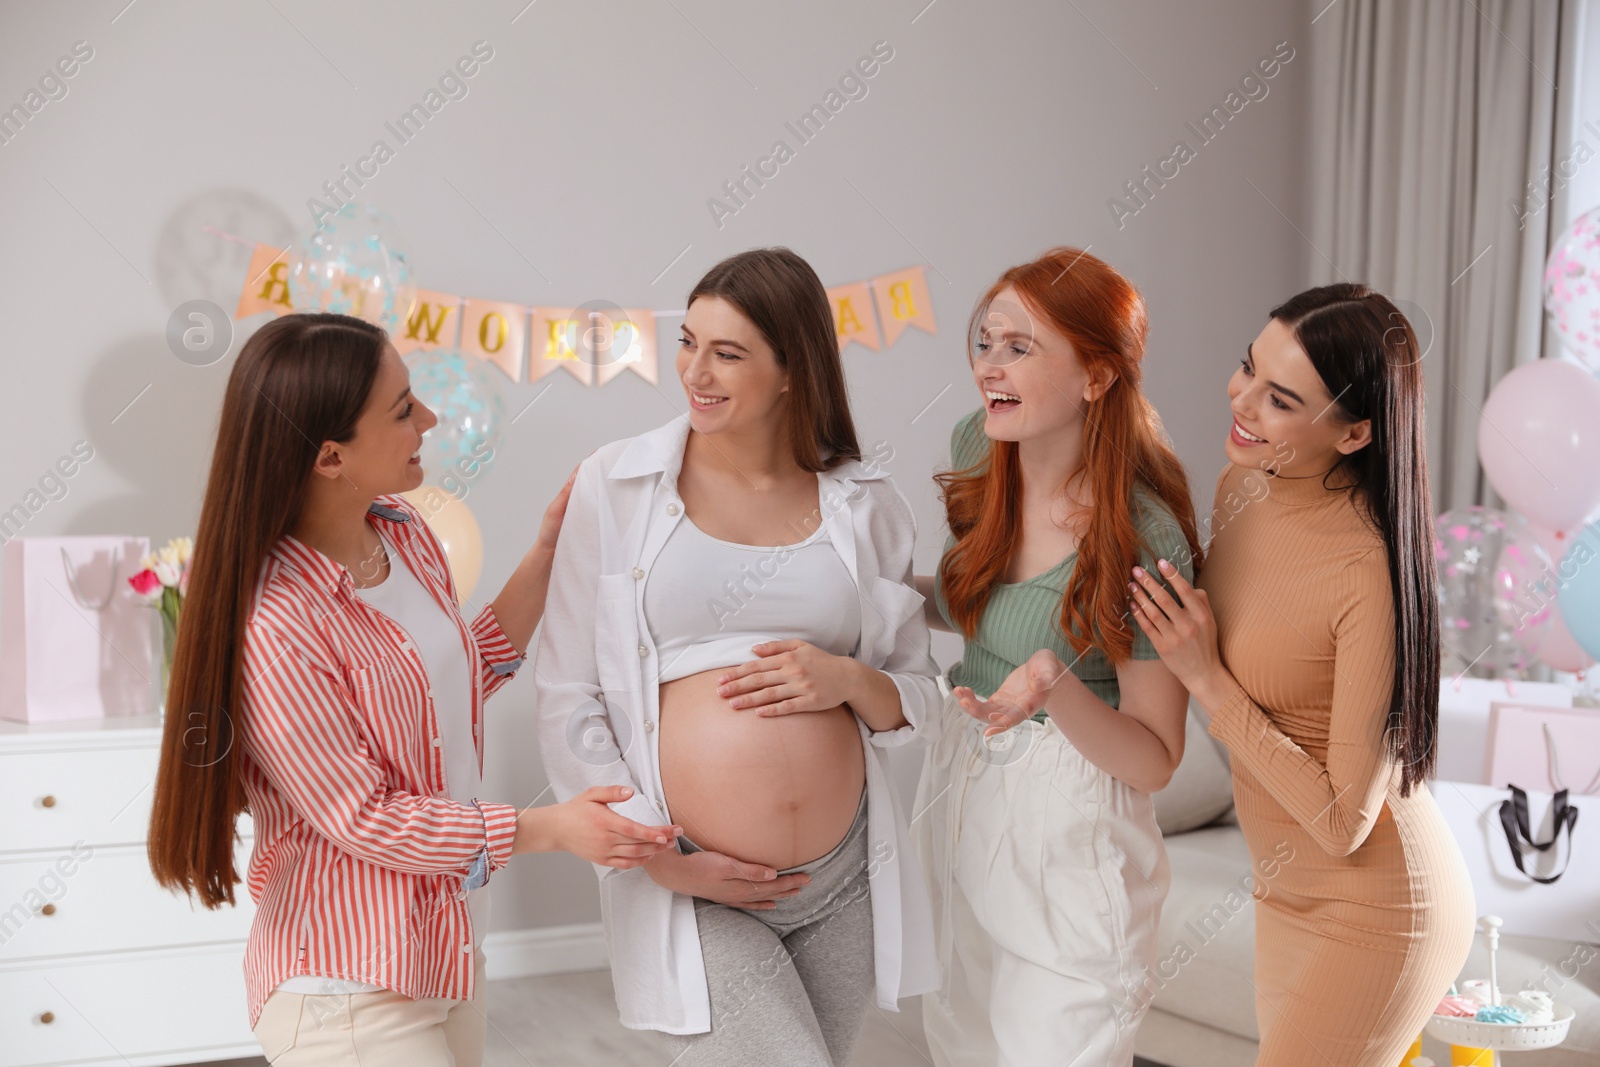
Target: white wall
{"type": "Point", "coordinates": [587, 147]}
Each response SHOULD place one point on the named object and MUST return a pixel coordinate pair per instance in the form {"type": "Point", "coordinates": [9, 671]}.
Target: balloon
{"type": "Point", "coordinates": [464, 393]}
{"type": "Point", "coordinates": [354, 263]}
{"type": "Point", "coordinates": [453, 523]}
{"type": "Point", "coordinates": [1572, 288]}
{"type": "Point", "coordinates": [1580, 590]}
{"type": "Point", "coordinates": [1560, 649]}
{"type": "Point", "coordinates": [1492, 611]}
{"type": "Point", "coordinates": [1539, 441]}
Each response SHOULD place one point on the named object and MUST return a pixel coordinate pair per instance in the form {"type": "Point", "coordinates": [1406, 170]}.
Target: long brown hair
{"type": "Point", "coordinates": [1102, 314]}
{"type": "Point", "coordinates": [780, 293]}
{"type": "Point", "coordinates": [299, 381]}
{"type": "Point", "coordinates": [1368, 357]}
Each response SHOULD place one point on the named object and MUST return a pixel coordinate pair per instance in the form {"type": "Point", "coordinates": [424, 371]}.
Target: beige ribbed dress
{"type": "Point", "coordinates": [1364, 909]}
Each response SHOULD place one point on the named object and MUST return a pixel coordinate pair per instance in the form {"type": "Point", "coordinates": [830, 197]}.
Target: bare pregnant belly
{"type": "Point", "coordinates": [780, 791]}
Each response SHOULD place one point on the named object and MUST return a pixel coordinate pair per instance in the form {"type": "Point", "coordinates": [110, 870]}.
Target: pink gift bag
{"type": "Point", "coordinates": [75, 643]}
{"type": "Point", "coordinates": [1544, 749]}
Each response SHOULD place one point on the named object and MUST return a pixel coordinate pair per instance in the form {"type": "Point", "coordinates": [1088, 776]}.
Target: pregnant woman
{"type": "Point", "coordinates": [326, 682]}
{"type": "Point", "coordinates": [1048, 868]}
{"type": "Point", "coordinates": [733, 636]}
{"type": "Point", "coordinates": [1313, 643]}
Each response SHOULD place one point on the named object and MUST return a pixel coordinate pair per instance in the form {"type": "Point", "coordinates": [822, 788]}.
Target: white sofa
{"type": "Point", "coordinates": [1202, 1009]}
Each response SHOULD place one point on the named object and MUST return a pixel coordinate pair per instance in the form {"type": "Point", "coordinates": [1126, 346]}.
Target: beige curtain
{"type": "Point", "coordinates": [1429, 119]}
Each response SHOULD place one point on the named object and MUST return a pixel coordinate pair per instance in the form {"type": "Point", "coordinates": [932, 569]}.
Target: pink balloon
{"type": "Point", "coordinates": [1560, 649]}
{"type": "Point", "coordinates": [1539, 442]}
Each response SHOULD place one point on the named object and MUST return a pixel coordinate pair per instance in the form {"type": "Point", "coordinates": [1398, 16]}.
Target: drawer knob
{"type": "Point", "coordinates": [47, 802]}
{"type": "Point", "coordinates": [48, 909]}
{"type": "Point", "coordinates": [47, 1017]}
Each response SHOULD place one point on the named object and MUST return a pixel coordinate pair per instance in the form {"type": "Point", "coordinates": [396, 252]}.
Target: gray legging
{"type": "Point", "coordinates": [789, 985]}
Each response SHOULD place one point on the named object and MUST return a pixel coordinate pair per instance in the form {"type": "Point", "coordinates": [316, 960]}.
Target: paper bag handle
{"type": "Point", "coordinates": [77, 593]}
{"type": "Point", "coordinates": [1514, 821]}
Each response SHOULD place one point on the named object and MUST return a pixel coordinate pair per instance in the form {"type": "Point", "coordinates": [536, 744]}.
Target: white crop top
{"type": "Point", "coordinates": [706, 601]}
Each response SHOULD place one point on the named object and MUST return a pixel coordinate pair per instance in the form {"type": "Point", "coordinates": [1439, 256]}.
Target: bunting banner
{"type": "Point", "coordinates": [434, 322]}
{"type": "Point", "coordinates": [903, 301]}
{"type": "Point", "coordinates": [596, 342]}
{"type": "Point", "coordinates": [495, 331]}
{"type": "Point", "coordinates": [852, 315]}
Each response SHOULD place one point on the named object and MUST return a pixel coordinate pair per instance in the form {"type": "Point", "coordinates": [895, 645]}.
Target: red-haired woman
{"type": "Point", "coordinates": [1048, 870]}
{"type": "Point", "coordinates": [326, 682]}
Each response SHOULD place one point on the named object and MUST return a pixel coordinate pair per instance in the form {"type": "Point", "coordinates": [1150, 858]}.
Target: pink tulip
{"type": "Point", "coordinates": [145, 583]}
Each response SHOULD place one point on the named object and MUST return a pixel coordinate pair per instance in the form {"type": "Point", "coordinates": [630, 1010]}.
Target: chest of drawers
{"type": "Point", "coordinates": [98, 964]}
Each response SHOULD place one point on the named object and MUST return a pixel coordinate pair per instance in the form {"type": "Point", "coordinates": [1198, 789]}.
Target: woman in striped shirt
{"type": "Point", "coordinates": [325, 682]}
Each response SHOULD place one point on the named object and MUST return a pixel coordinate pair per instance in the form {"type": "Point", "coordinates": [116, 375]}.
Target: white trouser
{"type": "Point", "coordinates": [1047, 877]}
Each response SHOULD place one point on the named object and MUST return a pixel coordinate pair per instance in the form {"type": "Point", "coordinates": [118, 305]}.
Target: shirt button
{"type": "Point", "coordinates": [461, 894]}
{"type": "Point", "coordinates": [672, 509]}
{"type": "Point", "coordinates": [407, 645]}
{"type": "Point", "coordinates": [643, 652]}
{"type": "Point", "coordinates": [638, 572]}
{"type": "Point", "coordinates": [438, 742]}
{"type": "Point", "coordinates": [649, 724]}
{"type": "Point", "coordinates": [467, 947]}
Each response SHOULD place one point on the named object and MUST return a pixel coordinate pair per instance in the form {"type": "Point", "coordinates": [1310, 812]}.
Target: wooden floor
{"type": "Point", "coordinates": [570, 1020]}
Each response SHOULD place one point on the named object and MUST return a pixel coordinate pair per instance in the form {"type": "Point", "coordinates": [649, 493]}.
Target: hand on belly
{"type": "Point", "coordinates": [780, 791]}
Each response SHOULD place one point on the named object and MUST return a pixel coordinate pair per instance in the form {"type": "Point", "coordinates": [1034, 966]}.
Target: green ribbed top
{"type": "Point", "coordinates": [1020, 618]}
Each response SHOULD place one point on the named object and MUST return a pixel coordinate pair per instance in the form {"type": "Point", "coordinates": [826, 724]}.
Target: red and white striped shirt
{"type": "Point", "coordinates": [360, 854]}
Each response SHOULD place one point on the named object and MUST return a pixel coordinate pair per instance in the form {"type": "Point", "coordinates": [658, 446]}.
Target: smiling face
{"type": "Point", "coordinates": [1283, 416]}
{"type": "Point", "coordinates": [729, 372]}
{"type": "Point", "coordinates": [1032, 381]}
{"type": "Point", "coordinates": [381, 457]}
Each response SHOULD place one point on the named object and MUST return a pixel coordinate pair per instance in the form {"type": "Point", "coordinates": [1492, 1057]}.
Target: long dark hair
{"type": "Point", "coordinates": [1102, 314]}
{"type": "Point", "coordinates": [780, 293]}
{"type": "Point", "coordinates": [299, 381]}
{"type": "Point", "coordinates": [1369, 359]}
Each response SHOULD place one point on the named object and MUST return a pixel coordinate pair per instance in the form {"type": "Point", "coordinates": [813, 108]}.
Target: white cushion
{"type": "Point", "coordinates": [1201, 789]}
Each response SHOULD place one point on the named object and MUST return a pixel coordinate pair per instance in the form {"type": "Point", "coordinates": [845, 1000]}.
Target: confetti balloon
{"type": "Point", "coordinates": [464, 393]}
{"type": "Point", "coordinates": [1572, 288]}
{"type": "Point", "coordinates": [1496, 602]}
{"type": "Point", "coordinates": [354, 263]}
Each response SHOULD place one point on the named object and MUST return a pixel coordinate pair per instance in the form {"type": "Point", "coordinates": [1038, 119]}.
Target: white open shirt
{"type": "Point", "coordinates": [595, 671]}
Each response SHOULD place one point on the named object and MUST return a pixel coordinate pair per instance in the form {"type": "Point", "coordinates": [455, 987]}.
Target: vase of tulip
{"type": "Point", "coordinates": [161, 583]}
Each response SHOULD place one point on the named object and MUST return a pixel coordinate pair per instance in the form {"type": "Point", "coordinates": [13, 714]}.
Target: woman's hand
{"type": "Point", "coordinates": [790, 677]}
{"type": "Point", "coordinates": [1019, 697]}
{"type": "Point", "coordinates": [724, 880]}
{"type": "Point", "coordinates": [586, 827]}
{"type": "Point", "coordinates": [550, 525]}
{"type": "Point", "coordinates": [1183, 630]}
{"type": "Point", "coordinates": [520, 605]}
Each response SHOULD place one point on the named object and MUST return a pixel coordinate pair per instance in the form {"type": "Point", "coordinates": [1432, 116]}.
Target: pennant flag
{"type": "Point", "coordinates": [594, 343]}
{"type": "Point", "coordinates": [266, 283]}
{"type": "Point", "coordinates": [903, 301]}
{"type": "Point", "coordinates": [556, 343]}
{"type": "Point", "coordinates": [434, 320]}
{"type": "Point", "coordinates": [852, 315]}
{"type": "Point", "coordinates": [497, 332]}
{"type": "Point", "coordinates": [622, 339]}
